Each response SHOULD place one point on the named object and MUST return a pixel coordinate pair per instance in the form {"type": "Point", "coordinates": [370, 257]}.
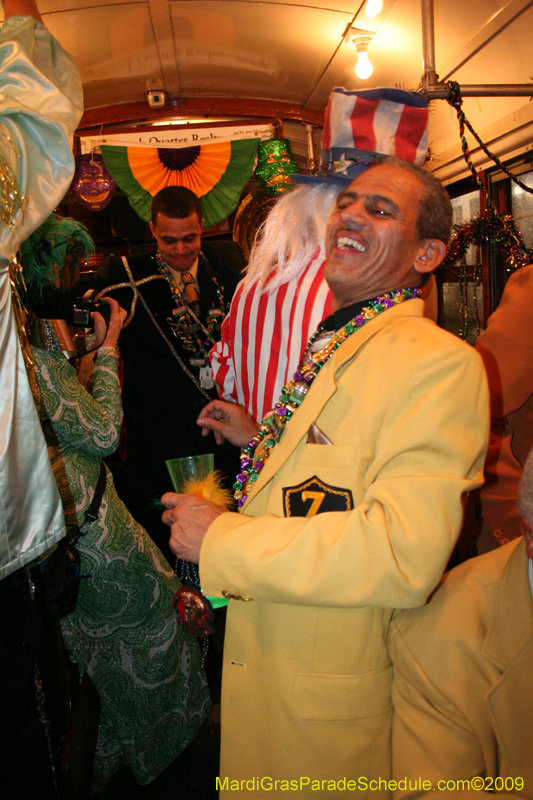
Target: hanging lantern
{"type": "Point", "coordinates": [92, 184]}
{"type": "Point", "coordinates": [275, 162]}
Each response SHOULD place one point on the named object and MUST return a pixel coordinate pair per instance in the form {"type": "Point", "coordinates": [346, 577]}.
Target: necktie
{"type": "Point", "coordinates": [191, 295]}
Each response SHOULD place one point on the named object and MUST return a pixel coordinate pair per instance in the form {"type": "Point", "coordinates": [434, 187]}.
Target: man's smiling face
{"type": "Point", "coordinates": [372, 243]}
{"type": "Point", "coordinates": [178, 240]}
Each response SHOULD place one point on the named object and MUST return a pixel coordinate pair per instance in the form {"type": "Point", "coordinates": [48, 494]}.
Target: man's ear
{"type": "Point", "coordinates": [430, 255]}
{"type": "Point", "coordinates": [152, 229]}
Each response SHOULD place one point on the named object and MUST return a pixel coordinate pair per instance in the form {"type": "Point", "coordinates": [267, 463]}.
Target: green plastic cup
{"type": "Point", "coordinates": [182, 470]}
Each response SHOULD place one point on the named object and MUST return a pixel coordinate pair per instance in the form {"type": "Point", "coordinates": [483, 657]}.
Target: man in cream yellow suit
{"type": "Point", "coordinates": [354, 513]}
{"type": "Point", "coordinates": [463, 669]}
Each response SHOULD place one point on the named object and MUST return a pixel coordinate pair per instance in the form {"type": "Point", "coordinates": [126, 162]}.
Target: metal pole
{"type": "Point", "coordinates": [440, 90]}
{"type": "Point", "coordinates": [433, 89]}
{"type": "Point", "coordinates": [428, 43]}
{"type": "Point", "coordinates": [311, 163]}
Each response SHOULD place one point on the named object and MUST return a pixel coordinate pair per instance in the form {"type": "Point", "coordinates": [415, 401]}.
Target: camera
{"type": "Point", "coordinates": [156, 98]}
{"type": "Point", "coordinates": [81, 312]}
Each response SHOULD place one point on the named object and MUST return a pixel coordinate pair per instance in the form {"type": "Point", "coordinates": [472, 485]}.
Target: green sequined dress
{"type": "Point", "coordinates": [124, 632]}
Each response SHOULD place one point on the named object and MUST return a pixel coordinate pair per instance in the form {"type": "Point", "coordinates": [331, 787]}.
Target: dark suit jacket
{"type": "Point", "coordinates": [161, 403]}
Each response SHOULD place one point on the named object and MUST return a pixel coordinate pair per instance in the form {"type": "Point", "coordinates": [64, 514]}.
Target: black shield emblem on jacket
{"type": "Point", "coordinates": [313, 496]}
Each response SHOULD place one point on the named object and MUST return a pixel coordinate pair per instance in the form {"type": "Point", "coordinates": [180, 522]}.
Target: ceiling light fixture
{"type": "Point", "coordinates": [361, 38]}
{"type": "Point", "coordinates": [373, 8]}
{"type": "Point", "coordinates": [170, 122]}
{"type": "Point", "coordinates": [363, 68]}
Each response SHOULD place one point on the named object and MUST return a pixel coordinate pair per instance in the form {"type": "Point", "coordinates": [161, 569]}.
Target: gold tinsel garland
{"type": "Point", "coordinates": [12, 200]}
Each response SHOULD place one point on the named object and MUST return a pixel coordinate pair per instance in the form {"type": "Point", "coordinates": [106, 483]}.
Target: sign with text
{"type": "Point", "coordinates": [179, 136]}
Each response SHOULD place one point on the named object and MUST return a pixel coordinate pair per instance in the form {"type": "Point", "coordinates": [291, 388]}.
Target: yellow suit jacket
{"type": "Point", "coordinates": [306, 680]}
{"type": "Point", "coordinates": [463, 671]}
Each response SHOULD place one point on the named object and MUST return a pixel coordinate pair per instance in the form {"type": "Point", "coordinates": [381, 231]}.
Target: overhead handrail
{"type": "Point", "coordinates": [434, 89]}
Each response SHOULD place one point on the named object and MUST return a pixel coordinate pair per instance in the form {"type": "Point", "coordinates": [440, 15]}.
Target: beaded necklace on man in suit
{"type": "Point", "coordinates": [195, 337]}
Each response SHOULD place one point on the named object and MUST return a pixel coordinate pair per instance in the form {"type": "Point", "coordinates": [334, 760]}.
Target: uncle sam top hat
{"type": "Point", "coordinates": [362, 125]}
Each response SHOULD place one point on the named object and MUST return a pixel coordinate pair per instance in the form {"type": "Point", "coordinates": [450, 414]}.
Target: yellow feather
{"type": "Point", "coordinates": [210, 488]}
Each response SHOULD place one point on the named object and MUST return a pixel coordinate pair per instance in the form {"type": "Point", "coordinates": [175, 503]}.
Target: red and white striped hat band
{"type": "Point", "coordinates": [386, 121]}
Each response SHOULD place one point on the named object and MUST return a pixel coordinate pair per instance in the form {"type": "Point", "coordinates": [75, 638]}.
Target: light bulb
{"type": "Point", "coordinates": [373, 7]}
{"type": "Point", "coordinates": [363, 68]}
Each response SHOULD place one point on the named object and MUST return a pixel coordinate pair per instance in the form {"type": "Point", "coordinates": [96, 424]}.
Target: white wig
{"type": "Point", "coordinates": [525, 503]}
{"type": "Point", "coordinates": [292, 234]}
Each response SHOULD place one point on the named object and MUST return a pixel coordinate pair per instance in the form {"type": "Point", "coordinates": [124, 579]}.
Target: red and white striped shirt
{"type": "Point", "coordinates": [264, 336]}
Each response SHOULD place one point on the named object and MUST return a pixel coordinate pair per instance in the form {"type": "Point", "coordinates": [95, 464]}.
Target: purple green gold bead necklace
{"type": "Point", "coordinates": [257, 451]}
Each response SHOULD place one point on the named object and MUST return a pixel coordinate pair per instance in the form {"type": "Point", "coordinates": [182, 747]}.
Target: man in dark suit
{"type": "Point", "coordinates": [167, 378]}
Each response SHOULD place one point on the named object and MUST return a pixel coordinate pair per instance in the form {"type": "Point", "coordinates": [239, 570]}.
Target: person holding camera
{"type": "Point", "coordinates": [178, 296]}
{"type": "Point", "coordinates": [123, 632]}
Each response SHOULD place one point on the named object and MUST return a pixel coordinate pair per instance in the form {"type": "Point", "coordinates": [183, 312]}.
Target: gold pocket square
{"type": "Point", "coordinates": [316, 436]}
